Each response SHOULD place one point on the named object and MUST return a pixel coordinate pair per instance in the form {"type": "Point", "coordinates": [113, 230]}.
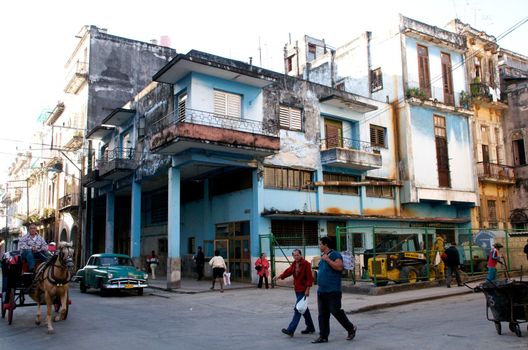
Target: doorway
{"type": "Point", "coordinates": [232, 239]}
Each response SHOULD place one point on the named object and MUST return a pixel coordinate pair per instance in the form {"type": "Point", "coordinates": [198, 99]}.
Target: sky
{"type": "Point", "coordinates": [38, 36]}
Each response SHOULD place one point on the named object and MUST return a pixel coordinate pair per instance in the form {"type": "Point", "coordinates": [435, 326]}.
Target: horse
{"type": "Point", "coordinates": [51, 281]}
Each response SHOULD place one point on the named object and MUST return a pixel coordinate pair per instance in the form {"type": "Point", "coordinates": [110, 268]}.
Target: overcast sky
{"type": "Point", "coordinates": [38, 36]}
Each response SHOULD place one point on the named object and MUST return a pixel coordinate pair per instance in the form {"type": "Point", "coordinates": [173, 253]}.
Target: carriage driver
{"type": "Point", "coordinates": [32, 246]}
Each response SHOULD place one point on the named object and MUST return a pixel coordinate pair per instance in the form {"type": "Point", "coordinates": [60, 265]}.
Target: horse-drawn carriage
{"type": "Point", "coordinates": [47, 285]}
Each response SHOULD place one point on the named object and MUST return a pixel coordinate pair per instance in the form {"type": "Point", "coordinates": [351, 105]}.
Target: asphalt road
{"type": "Point", "coordinates": [251, 319]}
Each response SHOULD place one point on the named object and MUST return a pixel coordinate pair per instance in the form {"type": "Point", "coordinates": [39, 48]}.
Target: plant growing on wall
{"type": "Point", "coordinates": [415, 92]}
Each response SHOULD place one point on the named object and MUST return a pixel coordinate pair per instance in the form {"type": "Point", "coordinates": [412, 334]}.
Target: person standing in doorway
{"type": "Point", "coordinates": [526, 250]}
{"type": "Point", "coordinates": [219, 266]}
{"type": "Point", "coordinates": [153, 263]}
{"type": "Point", "coordinates": [33, 246]}
{"type": "Point", "coordinates": [493, 259]}
{"type": "Point", "coordinates": [329, 292]}
{"type": "Point", "coordinates": [262, 266]}
{"type": "Point", "coordinates": [199, 260]}
{"type": "Point", "coordinates": [452, 261]}
{"type": "Point", "coordinates": [302, 282]}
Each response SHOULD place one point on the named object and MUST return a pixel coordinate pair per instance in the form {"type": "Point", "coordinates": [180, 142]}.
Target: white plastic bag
{"type": "Point", "coordinates": [302, 305]}
{"type": "Point", "coordinates": [227, 278]}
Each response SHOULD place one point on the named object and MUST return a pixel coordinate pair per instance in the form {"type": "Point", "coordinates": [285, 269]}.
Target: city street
{"type": "Point", "coordinates": [251, 318]}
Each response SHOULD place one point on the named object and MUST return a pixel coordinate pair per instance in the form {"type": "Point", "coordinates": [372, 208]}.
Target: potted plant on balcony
{"type": "Point", "coordinates": [415, 92]}
{"type": "Point", "coordinates": [464, 99]}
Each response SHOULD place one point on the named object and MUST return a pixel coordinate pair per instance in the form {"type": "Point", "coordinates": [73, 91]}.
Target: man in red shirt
{"type": "Point", "coordinates": [302, 281]}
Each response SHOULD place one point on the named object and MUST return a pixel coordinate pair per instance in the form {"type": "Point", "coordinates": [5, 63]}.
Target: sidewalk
{"type": "Point", "coordinates": [355, 302]}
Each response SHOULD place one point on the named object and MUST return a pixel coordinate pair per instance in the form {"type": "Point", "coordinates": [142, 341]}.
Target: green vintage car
{"type": "Point", "coordinates": [109, 271]}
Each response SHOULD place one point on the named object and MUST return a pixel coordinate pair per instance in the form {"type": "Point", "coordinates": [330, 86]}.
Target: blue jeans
{"type": "Point", "coordinates": [297, 316]}
{"type": "Point", "coordinates": [492, 274]}
{"type": "Point", "coordinates": [30, 257]}
{"type": "Point", "coordinates": [330, 303]}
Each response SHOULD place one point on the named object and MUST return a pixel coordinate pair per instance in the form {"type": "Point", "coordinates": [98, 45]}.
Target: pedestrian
{"type": "Point", "coordinates": [493, 259]}
{"type": "Point", "coordinates": [2, 248]}
{"type": "Point", "coordinates": [52, 248]}
{"type": "Point", "coordinates": [452, 262]}
{"type": "Point", "coordinates": [199, 260]}
{"type": "Point", "coordinates": [526, 250]}
{"type": "Point", "coordinates": [302, 282]}
{"type": "Point", "coordinates": [219, 266]}
{"type": "Point", "coordinates": [33, 246]}
{"type": "Point", "coordinates": [329, 292]}
{"type": "Point", "coordinates": [153, 262]}
{"type": "Point", "coordinates": [262, 266]}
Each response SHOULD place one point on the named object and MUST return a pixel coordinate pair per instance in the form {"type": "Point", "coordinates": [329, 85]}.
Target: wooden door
{"type": "Point", "coordinates": [334, 133]}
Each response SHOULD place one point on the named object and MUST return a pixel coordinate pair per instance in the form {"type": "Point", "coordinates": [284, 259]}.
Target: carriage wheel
{"type": "Point", "coordinates": [11, 307]}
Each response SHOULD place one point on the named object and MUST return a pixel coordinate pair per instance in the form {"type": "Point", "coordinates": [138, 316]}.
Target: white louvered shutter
{"type": "Point", "coordinates": [227, 104]}
{"type": "Point", "coordinates": [290, 118]}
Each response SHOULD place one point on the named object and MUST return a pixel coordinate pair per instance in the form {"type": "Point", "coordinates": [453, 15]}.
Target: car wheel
{"type": "Point", "coordinates": [140, 291]}
{"type": "Point", "coordinates": [102, 290]}
{"type": "Point", "coordinates": [82, 286]}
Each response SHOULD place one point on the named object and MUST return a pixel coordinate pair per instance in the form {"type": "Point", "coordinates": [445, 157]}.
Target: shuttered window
{"type": "Point", "coordinates": [290, 118]}
{"type": "Point", "coordinates": [442, 155]}
{"type": "Point", "coordinates": [377, 136]}
{"type": "Point", "coordinates": [182, 100]}
{"type": "Point", "coordinates": [227, 104]}
{"type": "Point", "coordinates": [350, 190]}
{"type": "Point", "coordinates": [379, 191]}
{"type": "Point", "coordinates": [423, 70]}
{"type": "Point", "coordinates": [287, 179]}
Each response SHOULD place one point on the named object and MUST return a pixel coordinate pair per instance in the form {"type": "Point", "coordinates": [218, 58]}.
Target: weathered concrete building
{"type": "Point", "coordinates": [411, 67]}
{"type": "Point", "coordinates": [514, 86]}
{"type": "Point", "coordinates": [495, 175]}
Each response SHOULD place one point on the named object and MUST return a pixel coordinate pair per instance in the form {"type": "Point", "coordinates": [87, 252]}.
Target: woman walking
{"type": "Point", "coordinates": [219, 267]}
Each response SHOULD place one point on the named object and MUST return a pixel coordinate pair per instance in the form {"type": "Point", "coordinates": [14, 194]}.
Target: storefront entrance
{"type": "Point", "coordinates": [232, 240]}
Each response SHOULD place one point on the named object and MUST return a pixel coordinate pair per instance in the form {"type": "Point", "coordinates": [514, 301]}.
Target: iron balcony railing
{"type": "Point", "coordinates": [211, 119]}
{"type": "Point", "coordinates": [341, 142]}
{"type": "Point", "coordinates": [71, 199]}
{"type": "Point", "coordinates": [118, 153]}
{"type": "Point", "coordinates": [495, 171]}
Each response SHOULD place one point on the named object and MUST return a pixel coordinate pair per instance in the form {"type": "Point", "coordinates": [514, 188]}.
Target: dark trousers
{"type": "Point", "coordinates": [265, 277]}
{"type": "Point", "coordinates": [450, 271]}
{"type": "Point", "coordinates": [297, 316]}
{"type": "Point", "coordinates": [330, 303]}
{"type": "Point", "coordinates": [199, 271]}
{"type": "Point", "coordinates": [30, 257]}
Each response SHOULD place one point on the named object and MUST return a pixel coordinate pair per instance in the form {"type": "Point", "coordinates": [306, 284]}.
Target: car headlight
{"type": "Point", "coordinates": [110, 275]}
{"type": "Point", "coordinates": [145, 276]}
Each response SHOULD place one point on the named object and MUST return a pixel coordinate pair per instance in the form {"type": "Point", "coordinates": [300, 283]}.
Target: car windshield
{"type": "Point", "coordinates": [114, 261]}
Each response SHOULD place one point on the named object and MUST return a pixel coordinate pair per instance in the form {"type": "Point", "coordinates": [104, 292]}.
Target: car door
{"type": "Point", "coordinates": [91, 265]}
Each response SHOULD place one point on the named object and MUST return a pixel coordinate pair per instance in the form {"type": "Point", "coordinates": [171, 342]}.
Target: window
{"type": "Point", "coordinates": [350, 190]}
{"type": "Point", "coordinates": [312, 52]}
{"type": "Point", "coordinates": [423, 70]}
{"type": "Point", "coordinates": [519, 157]}
{"type": "Point", "coordinates": [491, 70]}
{"type": "Point", "coordinates": [191, 244]}
{"type": "Point", "coordinates": [492, 211]}
{"type": "Point", "coordinates": [379, 191]}
{"type": "Point", "coordinates": [377, 136]}
{"type": "Point", "coordinates": [295, 233]}
{"type": "Point", "coordinates": [182, 101]}
{"type": "Point", "coordinates": [159, 207]}
{"type": "Point", "coordinates": [333, 133]}
{"type": "Point", "coordinates": [376, 80]}
{"type": "Point", "coordinates": [289, 64]}
{"type": "Point", "coordinates": [442, 158]}
{"type": "Point", "coordinates": [498, 148]}
{"type": "Point", "coordinates": [290, 118]}
{"type": "Point", "coordinates": [227, 104]}
{"type": "Point", "coordinates": [287, 179]}
{"type": "Point", "coordinates": [447, 79]}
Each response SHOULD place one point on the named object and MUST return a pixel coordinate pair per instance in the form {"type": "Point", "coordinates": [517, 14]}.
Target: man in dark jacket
{"type": "Point", "coordinates": [452, 261]}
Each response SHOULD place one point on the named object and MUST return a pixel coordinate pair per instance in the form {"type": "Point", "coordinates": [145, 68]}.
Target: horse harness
{"type": "Point", "coordinates": [51, 276]}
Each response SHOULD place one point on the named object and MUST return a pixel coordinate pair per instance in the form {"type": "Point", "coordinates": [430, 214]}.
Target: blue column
{"type": "Point", "coordinates": [135, 222]}
{"type": "Point", "coordinates": [109, 234]}
{"type": "Point", "coordinates": [258, 223]}
{"type": "Point", "coordinates": [320, 191]}
{"type": "Point", "coordinates": [173, 230]}
{"type": "Point", "coordinates": [208, 228]}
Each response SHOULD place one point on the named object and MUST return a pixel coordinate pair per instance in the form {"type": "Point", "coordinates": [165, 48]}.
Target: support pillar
{"type": "Point", "coordinates": [173, 230]}
{"type": "Point", "coordinates": [109, 231]}
{"type": "Point", "coordinates": [135, 223]}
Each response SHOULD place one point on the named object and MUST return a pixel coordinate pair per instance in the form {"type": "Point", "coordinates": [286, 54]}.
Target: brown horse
{"type": "Point", "coordinates": [52, 282]}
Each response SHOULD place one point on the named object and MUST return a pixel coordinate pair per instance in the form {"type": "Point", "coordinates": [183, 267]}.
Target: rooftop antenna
{"type": "Point", "coordinates": [260, 53]}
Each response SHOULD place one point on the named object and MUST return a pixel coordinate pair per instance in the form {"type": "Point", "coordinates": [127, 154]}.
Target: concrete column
{"type": "Point", "coordinates": [173, 230]}
{"type": "Point", "coordinates": [258, 224]}
{"type": "Point", "coordinates": [109, 234]}
{"type": "Point", "coordinates": [135, 223]}
{"type": "Point", "coordinates": [319, 201]}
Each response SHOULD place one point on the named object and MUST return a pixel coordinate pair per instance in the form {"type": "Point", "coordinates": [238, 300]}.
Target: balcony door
{"type": "Point", "coordinates": [334, 133]}
{"type": "Point", "coordinates": [447, 79]}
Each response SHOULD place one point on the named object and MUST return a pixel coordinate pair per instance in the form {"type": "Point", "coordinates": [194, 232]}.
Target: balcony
{"type": "Point", "coordinates": [76, 77]}
{"type": "Point", "coordinates": [74, 142]}
{"type": "Point", "coordinates": [69, 201]}
{"type": "Point", "coordinates": [480, 91]}
{"type": "Point", "coordinates": [349, 153]}
{"type": "Point", "coordinates": [496, 173]}
{"type": "Point", "coordinates": [93, 180]}
{"type": "Point", "coordinates": [117, 163]}
{"type": "Point", "coordinates": [189, 128]}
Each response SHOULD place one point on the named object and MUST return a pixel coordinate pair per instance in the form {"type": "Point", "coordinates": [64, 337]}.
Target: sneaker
{"type": "Point", "coordinates": [285, 331]}
{"type": "Point", "coordinates": [307, 331]}
{"type": "Point", "coordinates": [319, 340]}
{"type": "Point", "coordinates": [352, 334]}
